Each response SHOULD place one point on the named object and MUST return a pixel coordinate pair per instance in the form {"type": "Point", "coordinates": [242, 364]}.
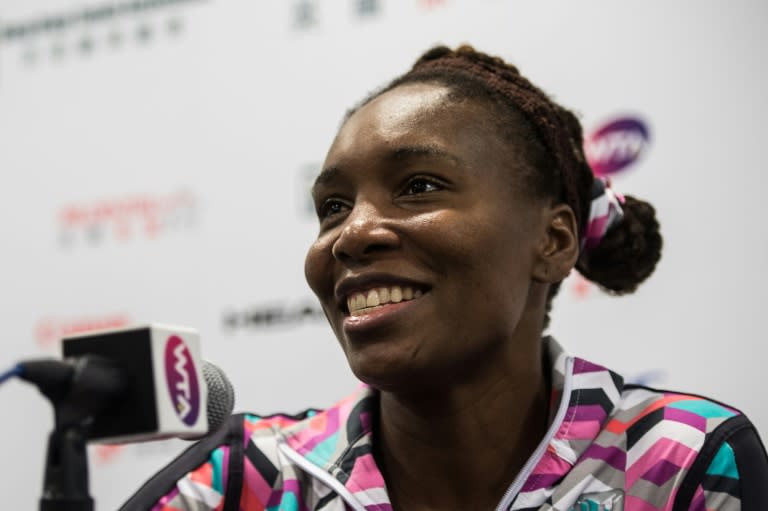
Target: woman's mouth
{"type": "Point", "coordinates": [360, 304]}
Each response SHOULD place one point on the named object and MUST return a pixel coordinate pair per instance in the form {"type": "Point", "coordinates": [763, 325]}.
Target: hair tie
{"type": "Point", "coordinates": [604, 212]}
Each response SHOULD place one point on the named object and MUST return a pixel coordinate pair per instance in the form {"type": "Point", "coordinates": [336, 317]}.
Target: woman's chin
{"type": "Point", "coordinates": [392, 374]}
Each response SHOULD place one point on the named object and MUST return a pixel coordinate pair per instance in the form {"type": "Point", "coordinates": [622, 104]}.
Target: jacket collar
{"type": "Point", "coordinates": [593, 395]}
{"type": "Point", "coordinates": [339, 439]}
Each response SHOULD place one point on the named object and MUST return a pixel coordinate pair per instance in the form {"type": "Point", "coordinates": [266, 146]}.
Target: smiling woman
{"type": "Point", "coordinates": [452, 204]}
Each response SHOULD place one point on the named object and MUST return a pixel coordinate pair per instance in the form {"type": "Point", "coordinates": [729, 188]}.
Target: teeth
{"type": "Point", "coordinates": [360, 303]}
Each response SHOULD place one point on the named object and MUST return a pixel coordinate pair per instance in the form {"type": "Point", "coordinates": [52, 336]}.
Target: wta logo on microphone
{"type": "Point", "coordinates": [181, 378]}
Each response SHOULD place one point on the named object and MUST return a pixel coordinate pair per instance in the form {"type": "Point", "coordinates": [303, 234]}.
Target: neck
{"type": "Point", "coordinates": [461, 447]}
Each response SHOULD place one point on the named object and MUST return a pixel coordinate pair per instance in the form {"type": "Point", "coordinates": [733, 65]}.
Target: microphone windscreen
{"type": "Point", "coordinates": [221, 396]}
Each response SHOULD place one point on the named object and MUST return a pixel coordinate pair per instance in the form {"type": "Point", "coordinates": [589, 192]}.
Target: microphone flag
{"type": "Point", "coordinates": [166, 394]}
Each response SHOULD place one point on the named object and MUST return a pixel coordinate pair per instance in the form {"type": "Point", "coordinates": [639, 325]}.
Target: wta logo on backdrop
{"type": "Point", "coordinates": [615, 145]}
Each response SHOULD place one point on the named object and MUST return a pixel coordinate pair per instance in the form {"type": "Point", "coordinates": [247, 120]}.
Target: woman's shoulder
{"type": "Point", "coordinates": [247, 457]}
{"type": "Point", "coordinates": [654, 447]}
{"type": "Point", "coordinates": [711, 446]}
{"type": "Point", "coordinates": [213, 468]}
{"type": "Point", "coordinates": [642, 409]}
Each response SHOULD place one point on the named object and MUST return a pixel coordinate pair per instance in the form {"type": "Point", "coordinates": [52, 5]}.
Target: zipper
{"type": "Point", "coordinates": [322, 475]}
{"type": "Point", "coordinates": [509, 496]}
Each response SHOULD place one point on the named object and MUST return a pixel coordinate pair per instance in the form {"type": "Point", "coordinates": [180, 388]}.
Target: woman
{"type": "Point", "coordinates": [451, 205]}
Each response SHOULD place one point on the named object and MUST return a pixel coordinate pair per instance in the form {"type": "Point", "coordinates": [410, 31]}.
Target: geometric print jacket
{"type": "Point", "coordinates": [609, 447]}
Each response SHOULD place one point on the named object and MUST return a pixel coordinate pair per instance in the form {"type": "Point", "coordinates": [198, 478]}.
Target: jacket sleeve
{"type": "Point", "coordinates": [205, 477]}
{"type": "Point", "coordinates": [730, 473]}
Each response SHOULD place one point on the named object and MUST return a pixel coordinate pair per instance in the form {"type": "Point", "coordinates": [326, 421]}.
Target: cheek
{"type": "Point", "coordinates": [483, 259]}
{"type": "Point", "coordinates": [318, 267]}
{"type": "Point", "coordinates": [478, 242]}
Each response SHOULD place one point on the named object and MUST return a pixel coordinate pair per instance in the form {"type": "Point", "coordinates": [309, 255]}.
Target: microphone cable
{"type": "Point", "coordinates": [10, 373]}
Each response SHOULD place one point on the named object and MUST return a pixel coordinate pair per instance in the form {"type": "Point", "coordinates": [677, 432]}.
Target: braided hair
{"type": "Point", "coordinates": [550, 140]}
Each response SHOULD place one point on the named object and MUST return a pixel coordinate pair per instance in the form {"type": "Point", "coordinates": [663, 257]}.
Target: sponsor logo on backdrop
{"type": "Point", "coordinates": [367, 8]}
{"type": "Point", "coordinates": [579, 286]}
{"type": "Point", "coordinates": [83, 31]}
{"type": "Point", "coordinates": [649, 377]}
{"type": "Point", "coordinates": [274, 315]}
{"type": "Point", "coordinates": [49, 331]}
{"type": "Point", "coordinates": [109, 454]}
{"type": "Point", "coordinates": [127, 218]}
{"type": "Point", "coordinates": [105, 454]}
{"type": "Point", "coordinates": [306, 176]}
{"type": "Point", "coordinates": [305, 14]}
{"type": "Point", "coordinates": [616, 144]}
{"type": "Point", "coordinates": [181, 377]}
{"type": "Point", "coordinates": [431, 4]}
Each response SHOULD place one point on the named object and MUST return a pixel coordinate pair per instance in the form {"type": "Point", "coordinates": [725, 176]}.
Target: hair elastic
{"type": "Point", "coordinates": [604, 212]}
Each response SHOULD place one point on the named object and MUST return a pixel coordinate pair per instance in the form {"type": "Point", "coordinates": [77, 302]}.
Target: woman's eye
{"type": "Point", "coordinates": [421, 185]}
{"type": "Point", "coordinates": [330, 207]}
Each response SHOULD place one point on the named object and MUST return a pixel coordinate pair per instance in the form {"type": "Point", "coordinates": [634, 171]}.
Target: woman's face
{"type": "Point", "coordinates": [427, 242]}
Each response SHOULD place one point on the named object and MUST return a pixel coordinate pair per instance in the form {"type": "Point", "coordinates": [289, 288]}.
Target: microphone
{"type": "Point", "coordinates": [135, 384]}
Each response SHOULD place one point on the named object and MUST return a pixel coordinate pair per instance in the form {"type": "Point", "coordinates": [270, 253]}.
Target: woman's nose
{"type": "Point", "coordinates": [365, 234]}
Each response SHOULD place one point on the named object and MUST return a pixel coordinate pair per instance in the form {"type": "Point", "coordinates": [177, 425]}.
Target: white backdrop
{"type": "Point", "coordinates": [155, 155]}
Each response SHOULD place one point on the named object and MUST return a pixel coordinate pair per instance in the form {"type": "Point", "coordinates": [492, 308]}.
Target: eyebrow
{"type": "Point", "coordinates": [328, 175]}
{"type": "Point", "coordinates": [331, 173]}
{"type": "Point", "coordinates": [421, 151]}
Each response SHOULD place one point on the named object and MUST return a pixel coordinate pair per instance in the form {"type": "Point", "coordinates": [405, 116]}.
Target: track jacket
{"type": "Point", "coordinates": [610, 446]}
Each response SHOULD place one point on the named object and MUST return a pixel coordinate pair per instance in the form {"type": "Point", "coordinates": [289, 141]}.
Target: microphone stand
{"type": "Point", "coordinates": [65, 487]}
{"type": "Point", "coordinates": [79, 390]}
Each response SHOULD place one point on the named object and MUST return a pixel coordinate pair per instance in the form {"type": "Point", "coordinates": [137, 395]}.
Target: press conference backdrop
{"type": "Point", "coordinates": [155, 158]}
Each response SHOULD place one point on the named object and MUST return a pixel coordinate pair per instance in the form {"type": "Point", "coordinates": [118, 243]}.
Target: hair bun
{"type": "Point", "coordinates": [628, 252]}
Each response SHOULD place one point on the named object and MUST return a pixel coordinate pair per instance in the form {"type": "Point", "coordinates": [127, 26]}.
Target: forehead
{"type": "Point", "coordinates": [399, 110]}
{"type": "Point", "coordinates": [421, 114]}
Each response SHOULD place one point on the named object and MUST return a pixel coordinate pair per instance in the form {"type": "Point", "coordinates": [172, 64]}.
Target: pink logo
{"type": "Point", "coordinates": [181, 378]}
{"type": "Point", "coordinates": [49, 330]}
{"type": "Point", "coordinates": [616, 144]}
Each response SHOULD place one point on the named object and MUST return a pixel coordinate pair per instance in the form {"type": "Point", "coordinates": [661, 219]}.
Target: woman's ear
{"type": "Point", "coordinates": [559, 247]}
